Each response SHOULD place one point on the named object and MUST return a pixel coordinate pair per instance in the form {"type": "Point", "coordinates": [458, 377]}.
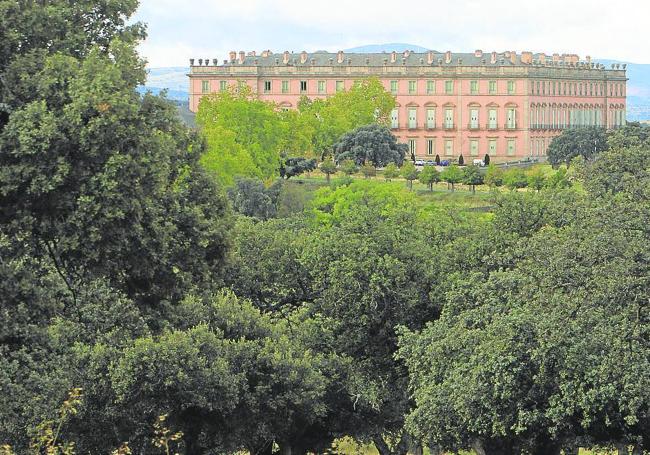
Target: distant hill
{"type": "Point", "coordinates": [174, 79]}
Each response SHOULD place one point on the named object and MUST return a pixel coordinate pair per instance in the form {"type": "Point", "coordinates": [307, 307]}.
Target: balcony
{"type": "Point", "coordinates": [431, 126]}
{"type": "Point", "coordinates": [491, 127]}
{"type": "Point", "coordinates": [412, 125]}
{"type": "Point", "coordinates": [510, 126]}
{"type": "Point", "coordinates": [473, 126]}
{"type": "Point", "coordinates": [449, 126]}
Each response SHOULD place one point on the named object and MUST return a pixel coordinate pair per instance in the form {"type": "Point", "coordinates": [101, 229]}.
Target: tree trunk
{"type": "Point", "coordinates": [435, 449]}
{"type": "Point", "coordinates": [473, 189]}
{"type": "Point", "coordinates": [381, 446]}
{"type": "Point", "coordinates": [477, 445]}
{"type": "Point", "coordinates": [327, 176]}
{"type": "Point", "coordinates": [453, 187]}
{"type": "Point", "coordinates": [622, 449]}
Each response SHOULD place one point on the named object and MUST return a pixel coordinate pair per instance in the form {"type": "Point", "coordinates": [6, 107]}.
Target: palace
{"type": "Point", "coordinates": [503, 104]}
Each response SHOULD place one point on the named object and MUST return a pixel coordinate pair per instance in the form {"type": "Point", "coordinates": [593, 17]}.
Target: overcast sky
{"type": "Point", "coordinates": [181, 29]}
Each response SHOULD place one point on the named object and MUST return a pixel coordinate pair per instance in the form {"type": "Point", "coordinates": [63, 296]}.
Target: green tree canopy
{"type": "Point", "coordinates": [428, 176]}
{"type": "Point", "coordinates": [472, 176]}
{"type": "Point", "coordinates": [452, 175]}
{"type": "Point", "coordinates": [585, 142]}
{"type": "Point", "coordinates": [370, 143]}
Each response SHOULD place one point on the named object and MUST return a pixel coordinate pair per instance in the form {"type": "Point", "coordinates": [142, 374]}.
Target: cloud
{"type": "Point", "coordinates": [179, 29]}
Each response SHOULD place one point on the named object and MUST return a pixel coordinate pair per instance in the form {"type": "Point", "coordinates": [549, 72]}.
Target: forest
{"type": "Point", "coordinates": [170, 290]}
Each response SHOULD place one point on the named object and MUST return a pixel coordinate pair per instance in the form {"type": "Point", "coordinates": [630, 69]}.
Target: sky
{"type": "Point", "coordinates": [183, 29]}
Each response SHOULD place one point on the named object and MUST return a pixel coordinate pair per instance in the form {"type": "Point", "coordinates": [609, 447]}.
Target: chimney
{"type": "Point", "coordinates": [506, 54]}
{"type": "Point", "coordinates": [542, 58]}
{"type": "Point", "coordinates": [215, 61]}
{"type": "Point", "coordinates": [393, 57]}
{"type": "Point", "coordinates": [265, 54]}
{"type": "Point", "coordinates": [285, 58]}
{"type": "Point", "coordinates": [303, 57]}
{"type": "Point", "coordinates": [513, 57]}
{"type": "Point", "coordinates": [556, 58]}
{"type": "Point", "coordinates": [252, 54]}
{"type": "Point", "coordinates": [242, 57]}
{"type": "Point", "coordinates": [527, 57]}
{"type": "Point", "coordinates": [430, 57]}
{"type": "Point", "coordinates": [448, 57]}
{"type": "Point", "coordinates": [588, 58]}
{"type": "Point", "coordinates": [232, 55]}
{"type": "Point", "coordinates": [478, 53]}
{"type": "Point", "coordinates": [200, 61]}
{"type": "Point", "coordinates": [191, 62]}
{"type": "Point", "coordinates": [339, 57]}
{"type": "Point", "coordinates": [207, 61]}
{"type": "Point", "coordinates": [493, 57]}
{"type": "Point", "coordinates": [407, 53]}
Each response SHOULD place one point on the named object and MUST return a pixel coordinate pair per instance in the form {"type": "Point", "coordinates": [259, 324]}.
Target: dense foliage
{"type": "Point", "coordinates": [140, 313]}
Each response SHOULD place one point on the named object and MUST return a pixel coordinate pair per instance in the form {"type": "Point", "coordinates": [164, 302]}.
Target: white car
{"type": "Point", "coordinates": [419, 162]}
{"type": "Point", "coordinates": [478, 162]}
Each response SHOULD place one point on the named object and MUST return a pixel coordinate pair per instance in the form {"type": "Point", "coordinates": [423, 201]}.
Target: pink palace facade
{"type": "Point", "coordinates": [505, 104]}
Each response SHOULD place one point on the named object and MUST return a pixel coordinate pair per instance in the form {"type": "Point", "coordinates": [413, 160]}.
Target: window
{"type": "Point", "coordinates": [394, 119]}
{"type": "Point", "coordinates": [449, 147]}
{"type": "Point", "coordinates": [431, 148]}
{"type": "Point", "coordinates": [473, 147]}
{"type": "Point", "coordinates": [393, 87]}
{"type": "Point", "coordinates": [413, 124]}
{"type": "Point", "coordinates": [223, 85]}
{"type": "Point", "coordinates": [510, 119]}
{"type": "Point", "coordinates": [303, 86]}
{"type": "Point", "coordinates": [492, 147]}
{"type": "Point", "coordinates": [205, 86]}
{"type": "Point", "coordinates": [449, 87]}
{"type": "Point", "coordinates": [413, 87]}
{"type": "Point", "coordinates": [431, 118]}
{"type": "Point", "coordinates": [285, 86]}
{"type": "Point", "coordinates": [412, 147]}
{"type": "Point", "coordinates": [511, 147]}
{"type": "Point", "coordinates": [511, 87]}
{"type": "Point", "coordinates": [492, 119]}
{"type": "Point", "coordinates": [473, 119]}
{"type": "Point", "coordinates": [538, 88]}
{"type": "Point", "coordinates": [492, 87]}
{"type": "Point", "coordinates": [431, 87]}
{"type": "Point", "coordinates": [473, 87]}
{"type": "Point", "coordinates": [267, 86]}
{"type": "Point", "coordinates": [321, 87]}
{"type": "Point", "coordinates": [449, 118]}
{"type": "Point", "coordinates": [340, 86]}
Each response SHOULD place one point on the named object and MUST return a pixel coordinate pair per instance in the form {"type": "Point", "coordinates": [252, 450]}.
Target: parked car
{"type": "Point", "coordinates": [419, 162]}
{"type": "Point", "coordinates": [478, 162]}
{"type": "Point", "coordinates": [444, 163]}
{"type": "Point", "coordinates": [429, 163]}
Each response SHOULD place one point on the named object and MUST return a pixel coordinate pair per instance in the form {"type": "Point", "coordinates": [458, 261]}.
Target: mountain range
{"type": "Point", "coordinates": [174, 79]}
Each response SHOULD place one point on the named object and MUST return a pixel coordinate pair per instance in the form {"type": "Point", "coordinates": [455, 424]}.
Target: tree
{"type": "Point", "coordinates": [452, 175]}
{"type": "Point", "coordinates": [536, 178]}
{"type": "Point", "coordinates": [251, 198]}
{"type": "Point", "coordinates": [409, 172]}
{"type": "Point", "coordinates": [558, 179]}
{"type": "Point", "coordinates": [370, 143]}
{"type": "Point", "coordinates": [461, 160]}
{"type": "Point", "coordinates": [472, 176]}
{"type": "Point", "coordinates": [515, 178]}
{"type": "Point", "coordinates": [255, 128]}
{"type": "Point", "coordinates": [504, 369]}
{"type": "Point", "coordinates": [367, 102]}
{"type": "Point", "coordinates": [486, 160]}
{"type": "Point", "coordinates": [391, 171]}
{"type": "Point", "coordinates": [585, 142]}
{"type": "Point", "coordinates": [362, 266]}
{"type": "Point", "coordinates": [429, 176]}
{"type": "Point", "coordinates": [292, 167]}
{"type": "Point", "coordinates": [348, 167]}
{"type": "Point", "coordinates": [368, 170]}
{"type": "Point", "coordinates": [632, 134]}
{"type": "Point", "coordinates": [493, 176]}
{"type": "Point", "coordinates": [328, 167]}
